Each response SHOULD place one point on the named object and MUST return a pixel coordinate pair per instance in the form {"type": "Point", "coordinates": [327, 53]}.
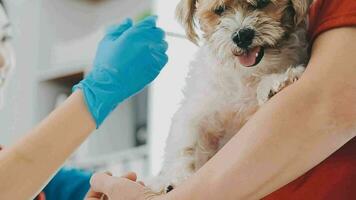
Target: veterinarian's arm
{"type": "Point", "coordinates": [292, 133]}
{"type": "Point", "coordinates": [25, 167]}
{"type": "Point", "coordinates": [118, 73]}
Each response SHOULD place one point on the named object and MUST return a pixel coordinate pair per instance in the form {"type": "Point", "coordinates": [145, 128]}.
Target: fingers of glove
{"type": "Point", "coordinates": [115, 31]}
{"type": "Point", "coordinates": [161, 46]}
{"type": "Point", "coordinates": [154, 34]}
{"type": "Point", "coordinates": [148, 22]}
{"type": "Point", "coordinates": [145, 36]}
{"type": "Point", "coordinates": [160, 58]}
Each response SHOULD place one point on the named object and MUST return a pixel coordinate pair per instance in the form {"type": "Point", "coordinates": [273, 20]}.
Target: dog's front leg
{"type": "Point", "coordinates": [270, 85]}
{"type": "Point", "coordinates": [179, 159]}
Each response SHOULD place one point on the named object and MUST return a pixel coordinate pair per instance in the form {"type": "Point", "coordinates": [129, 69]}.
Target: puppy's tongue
{"type": "Point", "coordinates": [248, 59]}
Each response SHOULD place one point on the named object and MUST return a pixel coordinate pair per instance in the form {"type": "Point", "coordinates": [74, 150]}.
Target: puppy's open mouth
{"type": "Point", "coordinates": [251, 57]}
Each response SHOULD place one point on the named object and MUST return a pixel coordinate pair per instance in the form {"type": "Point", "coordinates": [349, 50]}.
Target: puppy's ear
{"type": "Point", "coordinates": [301, 8]}
{"type": "Point", "coordinates": [185, 14]}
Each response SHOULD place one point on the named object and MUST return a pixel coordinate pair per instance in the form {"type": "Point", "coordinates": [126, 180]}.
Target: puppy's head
{"type": "Point", "coordinates": [242, 30]}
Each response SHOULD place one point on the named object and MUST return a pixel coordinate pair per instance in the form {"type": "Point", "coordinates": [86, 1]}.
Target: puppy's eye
{"type": "Point", "coordinates": [262, 4]}
{"type": "Point", "coordinates": [220, 10]}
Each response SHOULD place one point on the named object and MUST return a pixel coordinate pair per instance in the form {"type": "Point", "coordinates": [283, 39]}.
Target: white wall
{"type": "Point", "coordinates": [166, 92]}
{"type": "Point", "coordinates": [16, 117]}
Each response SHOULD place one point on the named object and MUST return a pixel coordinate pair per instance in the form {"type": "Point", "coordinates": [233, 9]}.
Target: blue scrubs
{"type": "Point", "coordinates": [68, 184]}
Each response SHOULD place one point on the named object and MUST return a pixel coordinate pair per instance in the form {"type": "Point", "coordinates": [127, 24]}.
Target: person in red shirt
{"type": "Point", "coordinates": [324, 96]}
{"type": "Point", "coordinates": [334, 178]}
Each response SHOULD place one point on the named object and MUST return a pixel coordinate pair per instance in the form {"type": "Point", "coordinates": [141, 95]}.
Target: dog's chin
{"type": "Point", "coordinates": [250, 57]}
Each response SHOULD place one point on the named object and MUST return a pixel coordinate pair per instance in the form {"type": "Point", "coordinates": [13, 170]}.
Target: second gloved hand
{"type": "Point", "coordinates": [128, 58]}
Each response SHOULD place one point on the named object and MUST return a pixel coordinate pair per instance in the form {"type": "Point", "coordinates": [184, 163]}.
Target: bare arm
{"type": "Point", "coordinates": [291, 134]}
{"type": "Point", "coordinates": [34, 159]}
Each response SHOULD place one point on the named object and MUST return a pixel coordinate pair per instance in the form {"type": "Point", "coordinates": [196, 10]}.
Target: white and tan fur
{"type": "Point", "coordinates": [220, 94]}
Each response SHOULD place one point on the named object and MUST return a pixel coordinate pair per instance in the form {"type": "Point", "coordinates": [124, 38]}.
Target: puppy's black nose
{"type": "Point", "coordinates": [244, 37]}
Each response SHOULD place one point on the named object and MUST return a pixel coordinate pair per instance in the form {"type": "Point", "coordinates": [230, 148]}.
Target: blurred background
{"type": "Point", "coordinates": [55, 42]}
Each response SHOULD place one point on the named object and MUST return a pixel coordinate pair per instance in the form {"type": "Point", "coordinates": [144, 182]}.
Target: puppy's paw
{"type": "Point", "coordinates": [158, 186]}
{"type": "Point", "coordinates": [268, 87]}
{"type": "Point", "coordinates": [151, 194]}
{"type": "Point", "coordinates": [293, 74]}
{"type": "Point", "coordinates": [274, 83]}
{"type": "Point", "coordinates": [169, 188]}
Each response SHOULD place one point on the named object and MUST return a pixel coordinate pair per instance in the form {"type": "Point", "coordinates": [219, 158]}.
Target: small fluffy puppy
{"type": "Point", "coordinates": [251, 49]}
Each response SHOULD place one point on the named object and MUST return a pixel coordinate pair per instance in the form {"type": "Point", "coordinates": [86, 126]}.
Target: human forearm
{"type": "Point", "coordinates": [261, 159]}
{"type": "Point", "coordinates": [35, 158]}
{"type": "Point", "coordinates": [295, 131]}
{"type": "Point", "coordinates": [288, 148]}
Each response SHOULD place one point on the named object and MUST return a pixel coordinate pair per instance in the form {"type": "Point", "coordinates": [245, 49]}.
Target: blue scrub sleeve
{"type": "Point", "coordinates": [68, 184]}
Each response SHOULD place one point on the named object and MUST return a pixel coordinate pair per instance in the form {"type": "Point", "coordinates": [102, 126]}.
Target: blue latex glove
{"type": "Point", "coordinates": [128, 58]}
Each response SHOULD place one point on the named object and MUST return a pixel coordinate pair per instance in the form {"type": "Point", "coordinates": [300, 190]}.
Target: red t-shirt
{"type": "Point", "coordinates": [335, 177]}
{"type": "Point", "coordinates": [328, 14]}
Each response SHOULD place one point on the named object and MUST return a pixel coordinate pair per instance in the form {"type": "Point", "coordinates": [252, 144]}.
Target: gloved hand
{"type": "Point", "coordinates": [128, 58]}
